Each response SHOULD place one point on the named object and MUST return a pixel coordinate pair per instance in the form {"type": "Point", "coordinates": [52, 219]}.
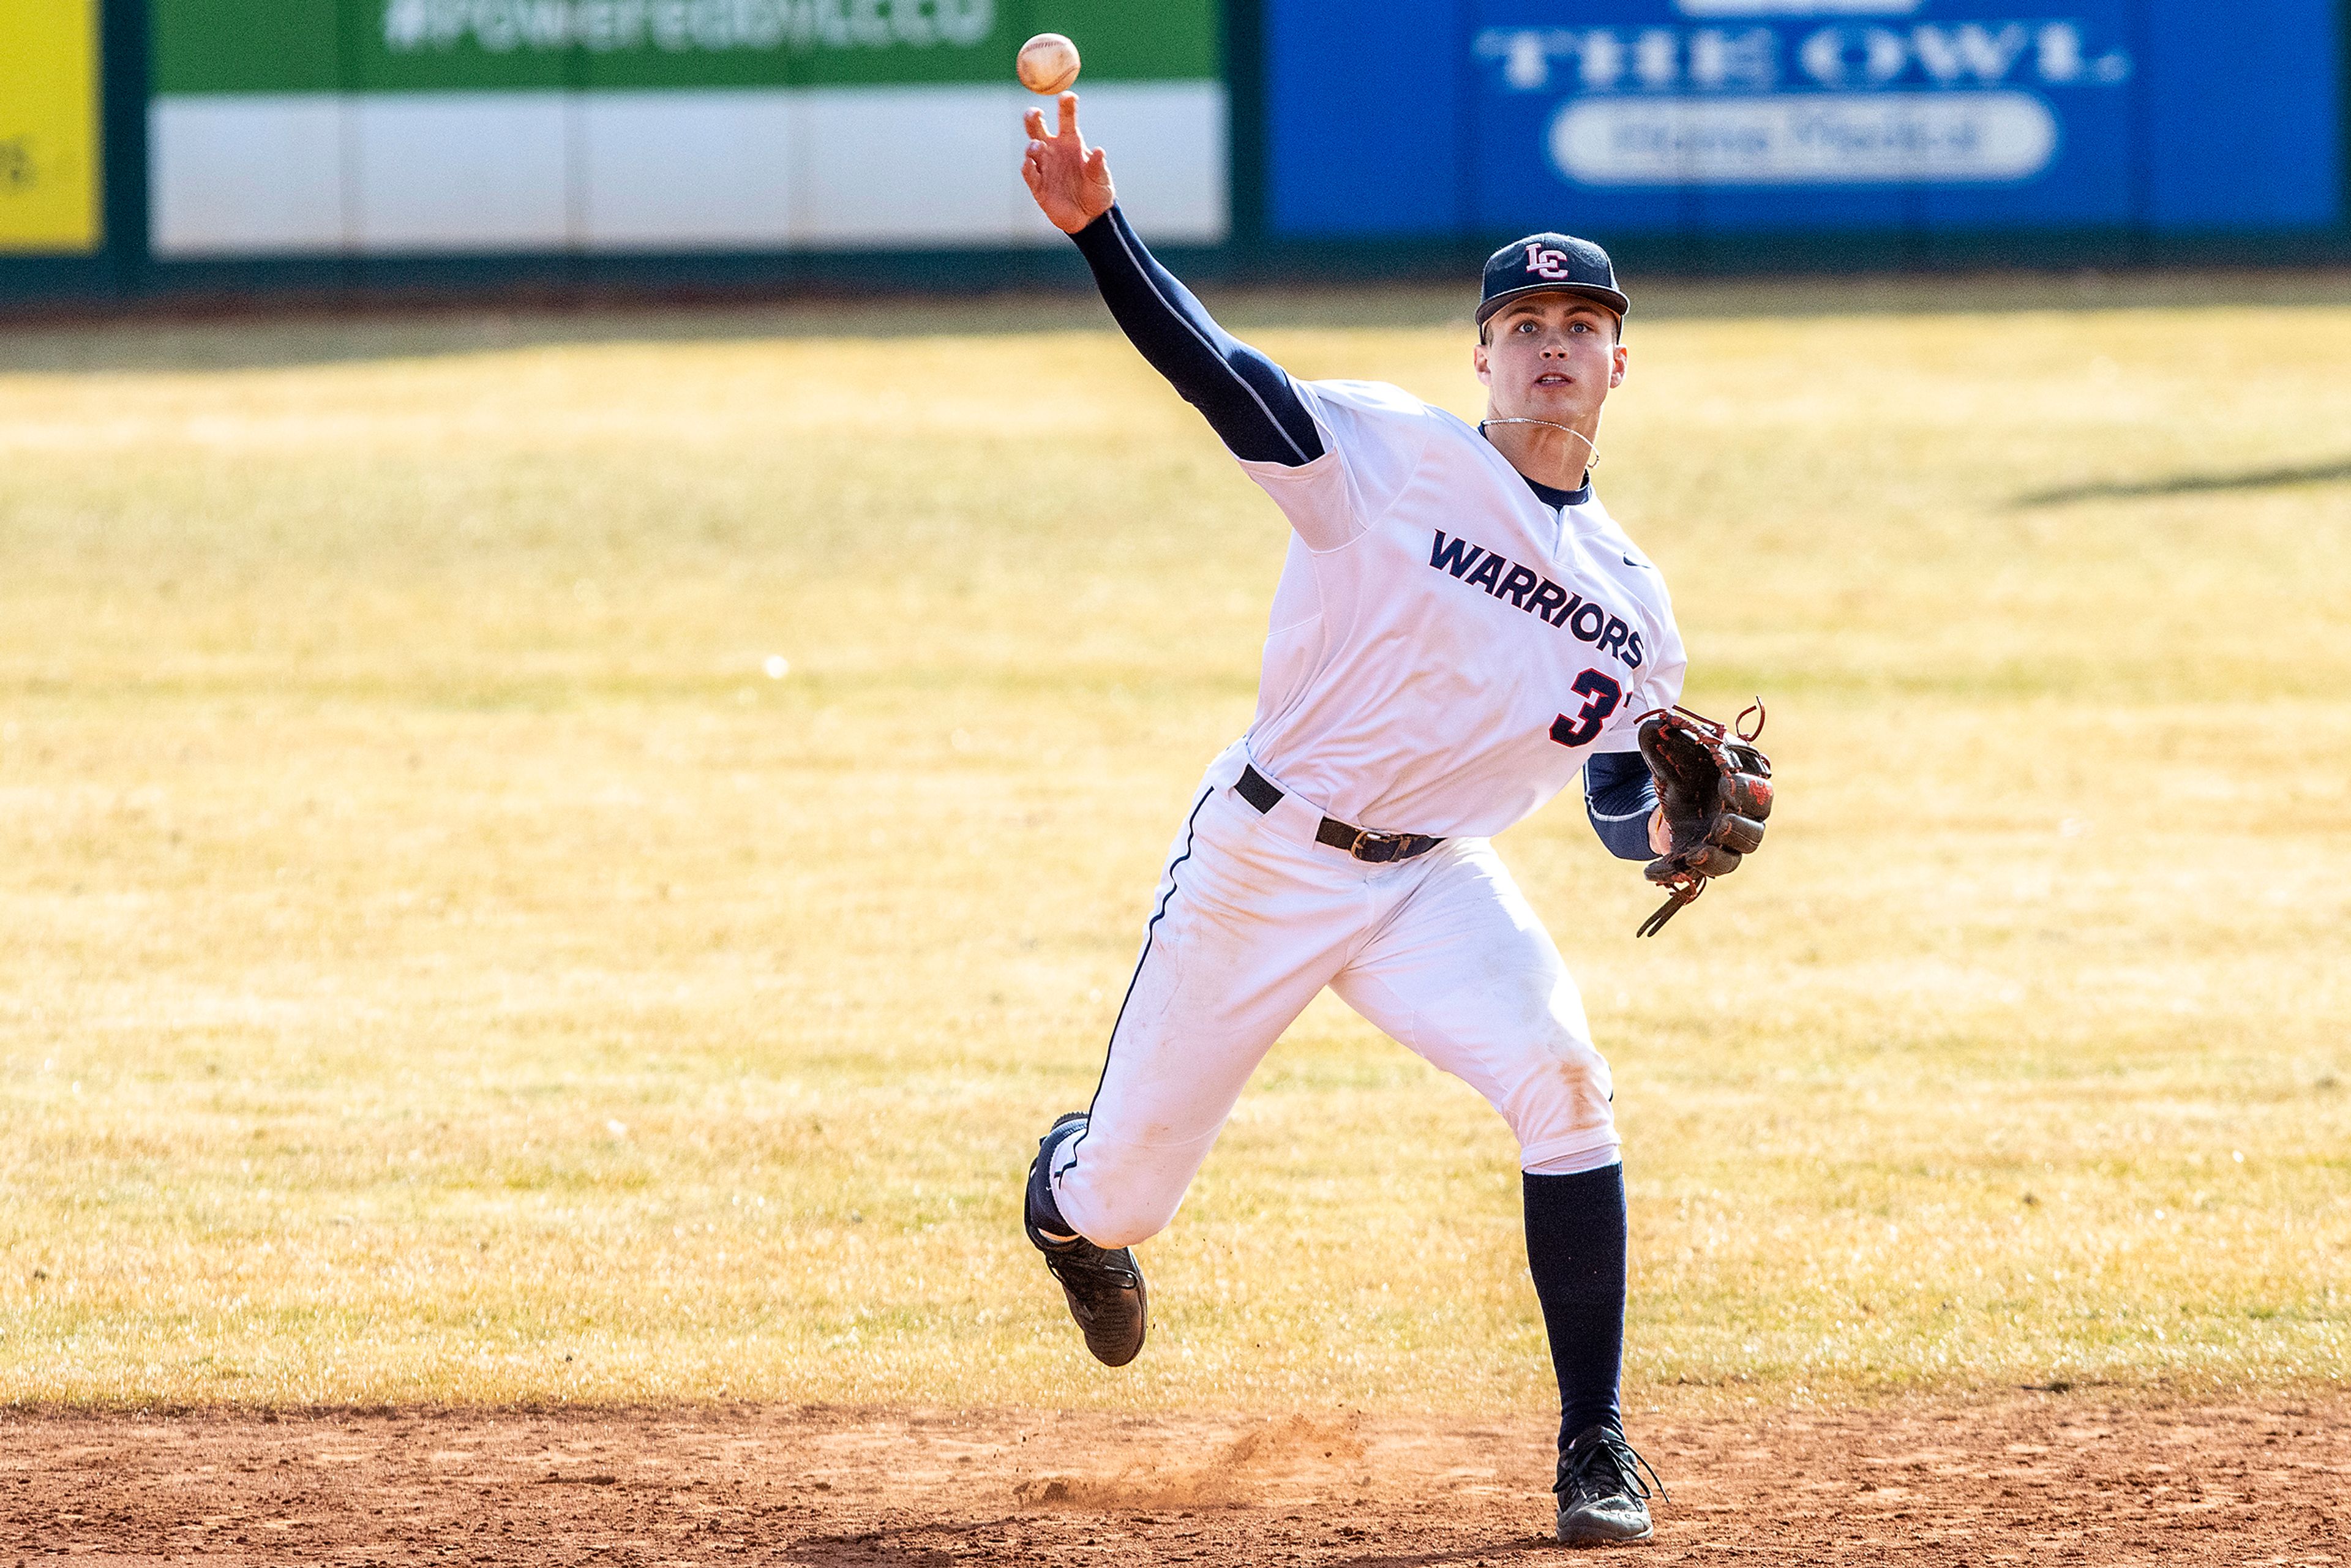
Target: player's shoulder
{"type": "Point", "coordinates": [1367, 405]}
{"type": "Point", "coordinates": [1382, 430]}
{"type": "Point", "coordinates": [1378, 415]}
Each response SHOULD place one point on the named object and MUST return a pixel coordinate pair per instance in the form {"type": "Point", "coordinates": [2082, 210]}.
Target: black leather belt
{"type": "Point", "coordinates": [1361, 842]}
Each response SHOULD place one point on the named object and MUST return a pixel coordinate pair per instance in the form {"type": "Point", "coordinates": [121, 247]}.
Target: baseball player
{"type": "Point", "coordinates": [1459, 631]}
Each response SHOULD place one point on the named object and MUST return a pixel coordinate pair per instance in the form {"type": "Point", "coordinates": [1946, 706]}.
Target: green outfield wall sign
{"type": "Point", "coordinates": [218, 46]}
{"type": "Point", "coordinates": [431, 126]}
{"type": "Point", "coordinates": [686, 26]}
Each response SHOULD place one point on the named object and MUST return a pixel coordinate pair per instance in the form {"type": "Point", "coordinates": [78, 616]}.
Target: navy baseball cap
{"type": "Point", "coordinates": [1550, 264]}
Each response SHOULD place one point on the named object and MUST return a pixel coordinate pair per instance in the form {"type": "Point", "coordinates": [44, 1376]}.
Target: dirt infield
{"type": "Point", "coordinates": [2041, 1480]}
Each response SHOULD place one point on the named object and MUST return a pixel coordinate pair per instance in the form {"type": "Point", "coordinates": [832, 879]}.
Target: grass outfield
{"type": "Point", "coordinates": [441, 960]}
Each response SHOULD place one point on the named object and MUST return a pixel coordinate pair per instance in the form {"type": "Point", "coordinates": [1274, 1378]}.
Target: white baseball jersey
{"type": "Point", "coordinates": [1446, 650]}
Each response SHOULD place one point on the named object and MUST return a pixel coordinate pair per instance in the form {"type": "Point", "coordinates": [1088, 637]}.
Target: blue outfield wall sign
{"type": "Point", "coordinates": [1461, 117]}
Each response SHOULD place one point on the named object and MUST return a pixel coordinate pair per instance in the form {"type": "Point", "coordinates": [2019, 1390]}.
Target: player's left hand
{"type": "Point", "coordinates": [1714, 791]}
{"type": "Point", "coordinates": [1071, 183]}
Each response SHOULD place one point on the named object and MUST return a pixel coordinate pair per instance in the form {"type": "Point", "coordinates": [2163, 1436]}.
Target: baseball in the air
{"type": "Point", "coordinates": [1048, 64]}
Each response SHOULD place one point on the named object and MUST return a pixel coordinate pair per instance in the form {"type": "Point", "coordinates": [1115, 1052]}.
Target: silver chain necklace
{"type": "Point", "coordinates": [1590, 462]}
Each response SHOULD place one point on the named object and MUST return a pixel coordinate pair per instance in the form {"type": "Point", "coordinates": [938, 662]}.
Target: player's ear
{"type": "Point", "coordinates": [1477, 362]}
{"type": "Point", "coordinates": [1620, 357]}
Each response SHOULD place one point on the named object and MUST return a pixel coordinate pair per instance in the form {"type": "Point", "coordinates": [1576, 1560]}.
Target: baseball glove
{"type": "Point", "coordinates": [1715, 788]}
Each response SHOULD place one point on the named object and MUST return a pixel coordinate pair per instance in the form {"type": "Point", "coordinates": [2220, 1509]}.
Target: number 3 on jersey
{"type": "Point", "coordinates": [1603, 693]}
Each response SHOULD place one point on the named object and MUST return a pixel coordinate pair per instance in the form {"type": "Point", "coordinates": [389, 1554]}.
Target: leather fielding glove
{"type": "Point", "coordinates": [1714, 786]}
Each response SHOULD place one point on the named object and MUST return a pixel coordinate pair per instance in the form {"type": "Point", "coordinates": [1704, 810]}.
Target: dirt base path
{"type": "Point", "coordinates": [2055, 1480]}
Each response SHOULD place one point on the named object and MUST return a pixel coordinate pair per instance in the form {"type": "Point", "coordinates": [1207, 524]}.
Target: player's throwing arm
{"type": "Point", "coordinates": [1460, 632]}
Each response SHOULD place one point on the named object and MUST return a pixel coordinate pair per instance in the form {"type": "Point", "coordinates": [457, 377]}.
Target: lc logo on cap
{"type": "Point", "coordinates": [1547, 263]}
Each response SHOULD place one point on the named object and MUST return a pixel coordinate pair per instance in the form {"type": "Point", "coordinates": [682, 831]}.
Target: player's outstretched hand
{"type": "Point", "coordinates": [1072, 184]}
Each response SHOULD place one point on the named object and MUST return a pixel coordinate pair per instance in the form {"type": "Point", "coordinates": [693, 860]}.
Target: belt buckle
{"type": "Point", "coordinates": [1367, 840]}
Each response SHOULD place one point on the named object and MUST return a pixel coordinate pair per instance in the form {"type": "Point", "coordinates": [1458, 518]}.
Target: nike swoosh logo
{"type": "Point", "coordinates": [1630, 562]}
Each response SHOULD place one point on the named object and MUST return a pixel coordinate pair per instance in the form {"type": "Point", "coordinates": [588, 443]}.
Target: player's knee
{"type": "Point", "coordinates": [1112, 1207]}
{"type": "Point", "coordinates": [1561, 1109]}
{"type": "Point", "coordinates": [1116, 1189]}
{"type": "Point", "coordinates": [1122, 1220]}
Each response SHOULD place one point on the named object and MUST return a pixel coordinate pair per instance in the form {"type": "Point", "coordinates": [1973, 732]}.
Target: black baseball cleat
{"type": "Point", "coordinates": [1602, 1500]}
{"type": "Point", "coordinates": [1104, 1287]}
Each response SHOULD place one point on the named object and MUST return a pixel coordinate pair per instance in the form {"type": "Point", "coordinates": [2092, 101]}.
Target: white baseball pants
{"type": "Point", "coordinates": [1251, 919]}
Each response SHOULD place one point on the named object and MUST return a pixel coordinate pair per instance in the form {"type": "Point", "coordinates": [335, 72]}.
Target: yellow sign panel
{"type": "Point", "coordinates": [48, 125]}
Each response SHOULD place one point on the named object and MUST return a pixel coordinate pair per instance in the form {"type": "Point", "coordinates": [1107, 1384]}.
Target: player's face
{"type": "Point", "coordinates": [1549, 356]}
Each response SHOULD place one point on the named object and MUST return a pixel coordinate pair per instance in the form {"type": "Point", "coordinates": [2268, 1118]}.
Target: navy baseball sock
{"type": "Point", "coordinates": [1043, 1212]}
{"type": "Point", "coordinates": [1575, 1249]}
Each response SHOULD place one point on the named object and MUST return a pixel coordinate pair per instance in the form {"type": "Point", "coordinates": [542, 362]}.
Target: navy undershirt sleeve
{"type": "Point", "coordinates": [1618, 796]}
{"type": "Point", "coordinates": [1246, 398]}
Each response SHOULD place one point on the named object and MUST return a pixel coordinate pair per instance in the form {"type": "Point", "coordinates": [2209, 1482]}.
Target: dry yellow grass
{"type": "Point", "coordinates": [438, 961]}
